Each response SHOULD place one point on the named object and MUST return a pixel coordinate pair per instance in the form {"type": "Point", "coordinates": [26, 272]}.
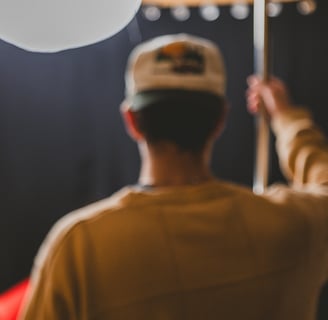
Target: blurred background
{"type": "Point", "coordinates": [62, 141]}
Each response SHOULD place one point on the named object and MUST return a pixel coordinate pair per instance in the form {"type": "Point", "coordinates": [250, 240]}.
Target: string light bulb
{"type": "Point", "coordinates": [306, 7]}
{"type": "Point", "coordinates": [209, 12]}
{"type": "Point", "coordinates": [240, 11]}
{"type": "Point", "coordinates": [274, 9]}
{"type": "Point", "coordinates": [181, 12]}
{"type": "Point", "coordinates": [151, 13]}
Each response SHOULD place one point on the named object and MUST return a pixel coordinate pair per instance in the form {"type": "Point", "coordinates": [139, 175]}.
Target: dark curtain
{"type": "Point", "coordinates": [62, 141]}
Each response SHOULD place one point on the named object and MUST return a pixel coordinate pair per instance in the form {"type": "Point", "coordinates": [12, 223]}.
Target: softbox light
{"type": "Point", "coordinates": [55, 25]}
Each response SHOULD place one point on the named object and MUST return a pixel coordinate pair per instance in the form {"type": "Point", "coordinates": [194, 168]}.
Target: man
{"type": "Point", "coordinates": [182, 244]}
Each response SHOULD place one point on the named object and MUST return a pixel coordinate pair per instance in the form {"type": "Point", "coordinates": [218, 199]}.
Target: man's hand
{"type": "Point", "coordinates": [272, 94]}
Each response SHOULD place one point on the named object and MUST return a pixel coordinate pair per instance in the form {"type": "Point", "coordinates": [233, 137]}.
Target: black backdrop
{"type": "Point", "coordinates": [62, 141]}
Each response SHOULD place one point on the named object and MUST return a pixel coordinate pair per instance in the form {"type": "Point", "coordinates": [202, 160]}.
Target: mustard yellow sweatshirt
{"type": "Point", "coordinates": [208, 251]}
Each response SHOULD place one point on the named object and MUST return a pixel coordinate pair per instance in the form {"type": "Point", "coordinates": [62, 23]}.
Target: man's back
{"type": "Point", "coordinates": [195, 252]}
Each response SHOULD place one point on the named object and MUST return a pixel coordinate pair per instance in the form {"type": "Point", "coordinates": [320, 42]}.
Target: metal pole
{"type": "Point", "coordinates": [261, 69]}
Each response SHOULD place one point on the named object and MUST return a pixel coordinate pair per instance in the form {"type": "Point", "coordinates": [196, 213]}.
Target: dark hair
{"type": "Point", "coordinates": [186, 119]}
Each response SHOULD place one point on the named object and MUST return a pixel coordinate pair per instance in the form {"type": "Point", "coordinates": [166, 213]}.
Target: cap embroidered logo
{"type": "Point", "coordinates": [180, 58]}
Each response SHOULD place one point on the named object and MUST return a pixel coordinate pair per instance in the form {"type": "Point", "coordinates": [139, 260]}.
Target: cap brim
{"type": "Point", "coordinates": [146, 99]}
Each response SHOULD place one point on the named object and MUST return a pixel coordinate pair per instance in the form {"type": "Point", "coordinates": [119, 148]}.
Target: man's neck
{"type": "Point", "coordinates": [171, 167]}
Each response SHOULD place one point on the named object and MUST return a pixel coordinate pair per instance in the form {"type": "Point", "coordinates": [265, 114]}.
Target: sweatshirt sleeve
{"type": "Point", "coordinates": [303, 154]}
{"type": "Point", "coordinates": [301, 147]}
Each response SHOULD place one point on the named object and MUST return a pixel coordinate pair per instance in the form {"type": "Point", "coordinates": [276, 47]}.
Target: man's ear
{"type": "Point", "coordinates": [130, 122]}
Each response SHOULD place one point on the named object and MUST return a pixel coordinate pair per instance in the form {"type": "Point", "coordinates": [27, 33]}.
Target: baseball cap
{"type": "Point", "coordinates": [173, 64]}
